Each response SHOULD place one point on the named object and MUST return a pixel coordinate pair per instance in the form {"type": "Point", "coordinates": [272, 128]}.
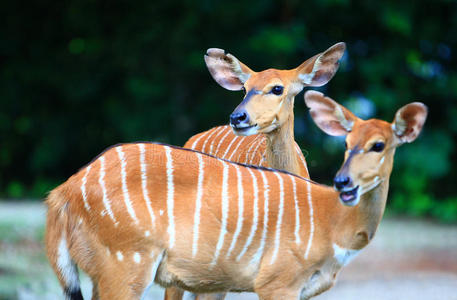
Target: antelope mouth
{"type": "Point", "coordinates": [244, 130]}
{"type": "Point", "coordinates": [350, 197]}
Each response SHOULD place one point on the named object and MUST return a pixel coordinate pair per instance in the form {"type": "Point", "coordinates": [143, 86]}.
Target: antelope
{"type": "Point", "coordinates": [261, 130]}
{"type": "Point", "coordinates": [143, 212]}
{"type": "Point", "coordinates": [262, 126]}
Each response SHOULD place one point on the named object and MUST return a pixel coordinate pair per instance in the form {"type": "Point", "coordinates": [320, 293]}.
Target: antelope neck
{"type": "Point", "coordinates": [280, 152]}
{"type": "Point", "coordinates": [357, 225]}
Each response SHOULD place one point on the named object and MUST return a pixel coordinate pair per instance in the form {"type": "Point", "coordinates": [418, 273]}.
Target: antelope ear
{"type": "Point", "coordinates": [331, 117]}
{"type": "Point", "coordinates": [226, 69]}
{"type": "Point", "coordinates": [319, 69]}
{"type": "Point", "coordinates": [409, 121]}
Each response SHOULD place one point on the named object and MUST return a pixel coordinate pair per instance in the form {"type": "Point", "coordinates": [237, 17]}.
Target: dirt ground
{"type": "Point", "coordinates": [408, 259]}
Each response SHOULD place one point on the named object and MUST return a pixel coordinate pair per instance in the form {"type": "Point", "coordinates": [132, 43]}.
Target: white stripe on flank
{"type": "Point", "coordinates": [144, 181]}
{"type": "Point", "coordinates": [170, 197]}
{"type": "Point", "coordinates": [300, 154]}
{"type": "Point", "coordinates": [215, 138]}
{"type": "Point", "coordinates": [198, 139]}
{"type": "Point", "coordinates": [207, 139]}
{"type": "Point", "coordinates": [311, 219]}
{"type": "Point", "coordinates": [255, 151]}
{"type": "Point", "coordinates": [239, 223]}
{"type": "Point", "coordinates": [125, 190]}
{"type": "Point", "coordinates": [250, 147]}
{"type": "Point", "coordinates": [297, 211]}
{"type": "Point", "coordinates": [83, 188]}
{"type": "Point", "coordinates": [225, 210]}
{"type": "Point", "coordinates": [279, 221]}
{"type": "Point", "coordinates": [229, 146]}
{"type": "Point", "coordinates": [220, 142]}
{"type": "Point", "coordinates": [266, 191]}
{"type": "Point", "coordinates": [106, 201]}
{"type": "Point", "coordinates": [198, 204]}
{"type": "Point", "coordinates": [255, 216]}
{"type": "Point", "coordinates": [236, 148]}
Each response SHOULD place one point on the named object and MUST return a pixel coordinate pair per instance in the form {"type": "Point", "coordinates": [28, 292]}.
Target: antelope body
{"type": "Point", "coordinates": [143, 213]}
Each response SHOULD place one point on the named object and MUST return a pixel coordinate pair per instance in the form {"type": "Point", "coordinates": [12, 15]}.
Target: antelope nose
{"type": "Point", "coordinates": [341, 181]}
{"type": "Point", "coordinates": [238, 117]}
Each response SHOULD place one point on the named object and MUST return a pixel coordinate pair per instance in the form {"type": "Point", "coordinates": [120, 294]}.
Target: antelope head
{"type": "Point", "coordinates": [269, 95]}
{"type": "Point", "coordinates": [370, 144]}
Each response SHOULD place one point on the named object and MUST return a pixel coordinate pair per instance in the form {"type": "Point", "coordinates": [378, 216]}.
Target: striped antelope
{"type": "Point", "coordinates": [267, 108]}
{"type": "Point", "coordinates": [144, 212]}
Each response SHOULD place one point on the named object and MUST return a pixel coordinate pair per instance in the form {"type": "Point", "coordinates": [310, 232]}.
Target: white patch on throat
{"type": "Point", "coordinates": [344, 256]}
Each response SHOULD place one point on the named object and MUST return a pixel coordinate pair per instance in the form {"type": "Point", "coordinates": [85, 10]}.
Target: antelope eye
{"type": "Point", "coordinates": [377, 147]}
{"type": "Point", "coordinates": [277, 90]}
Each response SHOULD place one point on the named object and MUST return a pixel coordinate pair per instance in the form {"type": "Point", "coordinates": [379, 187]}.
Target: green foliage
{"type": "Point", "coordinates": [79, 76]}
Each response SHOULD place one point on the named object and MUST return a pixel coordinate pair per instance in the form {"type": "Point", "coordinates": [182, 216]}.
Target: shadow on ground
{"type": "Point", "coordinates": [408, 259]}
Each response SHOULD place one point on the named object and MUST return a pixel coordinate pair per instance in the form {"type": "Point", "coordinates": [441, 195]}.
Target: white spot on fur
{"type": "Point", "coordinates": [136, 257]}
{"type": "Point", "coordinates": [66, 267]}
{"type": "Point", "coordinates": [344, 256]}
{"type": "Point", "coordinates": [161, 212]}
{"type": "Point", "coordinates": [147, 233]}
{"type": "Point", "coordinates": [119, 255]}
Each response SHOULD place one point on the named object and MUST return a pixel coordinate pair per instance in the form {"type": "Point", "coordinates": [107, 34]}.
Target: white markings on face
{"type": "Point", "coordinates": [311, 219]}
{"type": "Point", "coordinates": [198, 139]}
{"type": "Point", "coordinates": [106, 200]}
{"type": "Point", "coordinates": [266, 191]}
{"type": "Point", "coordinates": [125, 190]}
{"type": "Point", "coordinates": [221, 141]}
{"type": "Point", "coordinates": [297, 211]}
{"type": "Point", "coordinates": [144, 181]}
{"type": "Point", "coordinates": [119, 256]}
{"type": "Point", "coordinates": [344, 256]}
{"type": "Point", "coordinates": [255, 214]}
{"type": "Point", "coordinates": [239, 223]}
{"type": "Point", "coordinates": [170, 198]}
{"type": "Point", "coordinates": [382, 161]}
{"type": "Point", "coordinates": [279, 221]}
{"type": "Point", "coordinates": [147, 233]}
{"type": "Point", "coordinates": [198, 204]}
{"type": "Point", "coordinates": [225, 211]}
{"type": "Point", "coordinates": [136, 257]}
{"type": "Point", "coordinates": [229, 146]}
{"type": "Point", "coordinates": [83, 188]}
{"type": "Point", "coordinates": [66, 266]}
{"type": "Point", "coordinates": [154, 267]}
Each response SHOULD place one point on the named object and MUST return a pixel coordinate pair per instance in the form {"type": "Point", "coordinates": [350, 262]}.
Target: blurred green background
{"type": "Point", "coordinates": [78, 76]}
